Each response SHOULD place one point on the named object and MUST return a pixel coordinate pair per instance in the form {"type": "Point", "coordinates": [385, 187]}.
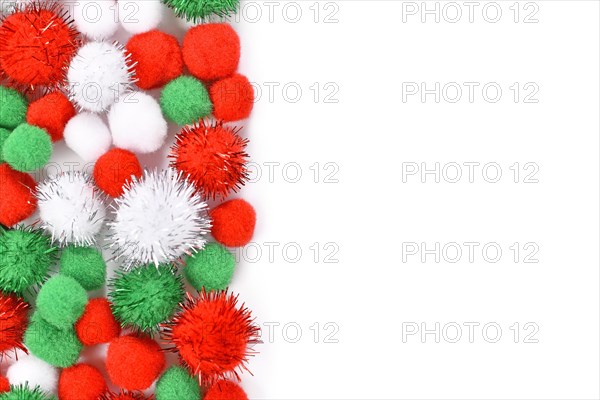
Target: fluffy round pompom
{"type": "Point", "coordinates": [88, 136]}
{"type": "Point", "coordinates": [61, 301]}
{"type": "Point", "coordinates": [24, 392]}
{"type": "Point", "coordinates": [232, 98]}
{"type": "Point", "coordinates": [185, 100]}
{"type": "Point", "coordinates": [84, 264]}
{"type": "Point", "coordinates": [18, 200]}
{"type": "Point", "coordinates": [4, 384]}
{"type": "Point", "coordinates": [58, 347]}
{"type": "Point", "coordinates": [213, 156]}
{"type": "Point", "coordinates": [200, 10]}
{"type": "Point", "coordinates": [157, 58]}
{"type": "Point", "coordinates": [233, 223]}
{"type": "Point", "coordinates": [176, 383]}
{"type": "Point", "coordinates": [211, 51]}
{"type": "Point", "coordinates": [96, 19]}
{"type": "Point", "coordinates": [33, 372]}
{"type": "Point", "coordinates": [138, 354]}
{"type": "Point", "coordinates": [137, 124]}
{"type": "Point", "coordinates": [140, 15]}
{"type": "Point", "coordinates": [98, 76]}
{"type": "Point", "coordinates": [97, 324]}
{"type": "Point", "coordinates": [114, 170]}
{"type": "Point", "coordinates": [211, 268]}
{"type": "Point", "coordinates": [13, 322]}
{"type": "Point", "coordinates": [81, 382]}
{"type": "Point", "coordinates": [217, 352]}
{"type": "Point", "coordinates": [124, 395]}
{"type": "Point", "coordinates": [159, 219]}
{"type": "Point", "coordinates": [71, 208]}
{"type": "Point", "coordinates": [27, 148]}
{"type": "Point", "coordinates": [51, 112]}
{"type": "Point", "coordinates": [13, 108]}
{"type": "Point", "coordinates": [27, 255]}
{"type": "Point", "coordinates": [225, 390]}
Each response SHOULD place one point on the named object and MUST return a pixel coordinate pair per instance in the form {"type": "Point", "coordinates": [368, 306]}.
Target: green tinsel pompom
{"type": "Point", "coordinates": [84, 264]}
{"type": "Point", "coordinates": [24, 392]}
{"type": "Point", "coordinates": [13, 108]}
{"type": "Point", "coordinates": [177, 384]}
{"type": "Point", "coordinates": [27, 255]}
{"type": "Point", "coordinates": [57, 347]}
{"type": "Point", "coordinates": [61, 301]}
{"type": "Point", "coordinates": [211, 268]}
{"type": "Point", "coordinates": [27, 148]}
{"type": "Point", "coordinates": [3, 136]}
{"type": "Point", "coordinates": [185, 100]}
{"type": "Point", "coordinates": [146, 296]}
{"type": "Point", "coordinates": [201, 10]}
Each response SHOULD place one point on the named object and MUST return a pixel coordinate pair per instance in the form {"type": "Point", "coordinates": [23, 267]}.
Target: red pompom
{"type": "Point", "coordinates": [97, 324]}
{"type": "Point", "coordinates": [51, 112]}
{"type": "Point", "coordinates": [114, 169]}
{"type": "Point", "coordinates": [124, 395]}
{"type": "Point", "coordinates": [81, 382]}
{"type": "Point", "coordinates": [158, 58]}
{"type": "Point", "coordinates": [211, 51]}
{"type": "Point", "coordinates": [13, 322]}
{"type": "Point", "coordinates": [134, 362]}
{"type": "Point", "coordinates": [225, 390]}
{"type": "Point", "coordinates": [213, 156]}
{"type": "Point", "coordinates": [232, 98]}
{"type": "Point", "coordinates": [233, 223]}
{"type": "Point", "coordinates": [4, 385]}
{"type": "Point", "coordinates": [18, 201]}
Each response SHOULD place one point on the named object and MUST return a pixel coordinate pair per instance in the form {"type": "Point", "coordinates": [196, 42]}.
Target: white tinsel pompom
{"type": "Point", "coordinates": [34, 372]}
{"type": "Point", "coordinates": [99, 75]}
{"type": "Point", "coordinates": [97, 19]}
{"type": "Point", "coordinates": [158, 219]}
{"type": "Point", "coordinates": [137, 123]}
{"type": "Point", "coordinates": [88, 136]}
{"type": "Point", "coordinates": [138, 16]}
{"type": "Point", "coordinates": [71, 208]}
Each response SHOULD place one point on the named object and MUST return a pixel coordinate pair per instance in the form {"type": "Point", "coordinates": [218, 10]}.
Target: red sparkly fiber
{"type": "Point", "coordinates": [51, 112]}
{"type": "Point", "coordinates": [13, 322]}
{"type": "Point", "coordinates": [233, 223]}
{"type": "Point", "coordinates": [17, 201]}
{"type": "Point", "coordinates": [225, 390]}
{"type": "Point", "coordinates": [97, 324]}
{"type": "Point", "coordinates": [232, 98]}
{"type": "Point", "coordinates": [81, 382]}
{"type": "Point", "coordinates": [124, 395]}
{"type": "Point", "coordinates": [114, 169]}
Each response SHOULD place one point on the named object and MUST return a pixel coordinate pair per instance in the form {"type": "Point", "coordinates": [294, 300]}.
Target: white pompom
{"type": "Point", "coordinates": [88, 136]}
{"type": "Point", "coordinates": [137, 124]}
{"type": "Point", "coordinates": [98, 76]}
{"type": "Point", "coordinates": [34, 372]}
{"type": "Point", "coordinates": [71, 208]}
{"type": "Point", "coordinates": [96, 19]}
{"type": "Point", "coordinates": [138, 16]}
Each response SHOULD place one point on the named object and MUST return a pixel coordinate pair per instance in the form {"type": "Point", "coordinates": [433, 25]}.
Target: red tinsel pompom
{"type": "Point", "coordinates": [114, 169]}
{"type": "Point", "coordinates": [225, 390]}
{"type": "Point", "coordinates": [97, 324]}
{"type": "Point", "coordinates": [124, 395]}
{"type": "Point", "coordinates": [157, 56]}
{"type": "Point", "coordinates": [81, 382]}
{"type": "Point", "coordinates": [13, 322]}
{"type": "Point", "coordinates": [232, 98]}
{"type": "Point", "coordinates": [51, 112]}
{"type": "Point", "coordinates": [134, 362]}
{"type": "Point", "coordinates": [211, 51]}
{"type": "Point", "coordinates": [4, 385]}
{"type": "Point", "coordinates": [233, 223]}
{"type": "Point", "coordinates": [18, 201]}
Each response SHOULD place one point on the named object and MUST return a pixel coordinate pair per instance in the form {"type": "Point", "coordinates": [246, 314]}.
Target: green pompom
{"type": "Point", "coordinates": [85, 264]}
{"type": "Point", "coordinates": [13, 108]}
{"type": "Point", "coordinates": [61, 301]}
{"type": "Point", "coordinates": [24, 392]}
{"type": "Point", "coordinates": [27, 148]}
{"type": "Point", "coordinates": [211, 268]}
{"type": "Point", "coordinates": [57, 347]}
{"type": "Point", "coordinates": [146, 296]}
{"type": "Point", "coordinates": [27, 255]}
{"type": "Point", "coordinates": [185, 100]}
{"type": "Point", "coordinates": [201, 10]}
{"type": "Point", "coordinates": [177, 384]}
{"type": "Point", "coordinates": [3, 135]}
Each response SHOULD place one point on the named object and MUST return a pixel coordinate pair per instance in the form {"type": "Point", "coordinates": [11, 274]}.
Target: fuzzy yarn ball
{"type": "Point", "coordinates": [88, 136]}
{"type": "Point", "coordinates": [114, 170]}
{"type": "Point", "coordinates": [4, 384]}
{"type": "Point", "coordinates": [28, 148]}
{"type": "Point", "coordinates": [185, 100]}
{"type": "Point", "coordinates": [58, 347]}
{"type": "Point", "coordinates": [201, 10]}
{"type": "Point", "coordinates": [18, 200]}
{"type": "Point", "coordinates": [24, 392]}
{"type": "Point", "coordinates": [225, 390]}
{"type": "Point", "coordinates": [32, 371]}
{"type": "Point", "coordinates": [138, 16]}
{"type": "Point", "coordinates": [13, 322]}
{"type": "Point", "coordinates": [211, 51]}
{"type": "Point", "coordinates": [13, 108]}
{"type": "Point", "coordinates": [81, 382]}
{"type": "Point", "coordinates": [232, 98]}
{"type": "Point", "coordinates": [61, 301]}
{"type": "Point", "coordinates": [211, 268]}
{"type": "Point", "coordinates": [51, 112]}
{"type": "Point", "coordinates": [97, 324]}
{"type": "Point", "coordinates": [85, 264]}
{"type": "Point", "coordinates": [233, 223]}
{"type": "Point", "coordinates": [176, 383]}
{"type": "Point", "coordinates": [97, 20]}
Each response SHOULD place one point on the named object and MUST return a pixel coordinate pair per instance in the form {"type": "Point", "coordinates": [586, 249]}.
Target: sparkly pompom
{"type": "Point", "coordinates": [13, 322]}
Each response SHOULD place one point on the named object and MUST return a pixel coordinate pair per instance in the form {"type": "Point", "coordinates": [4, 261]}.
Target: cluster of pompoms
{"type": "Point", "coordinates": [62, 78]}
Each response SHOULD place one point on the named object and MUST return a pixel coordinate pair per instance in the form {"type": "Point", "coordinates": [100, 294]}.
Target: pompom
{"type": "Point", "coordinates": [51, 112]}
{"type": "Point", "coordinates": [13, 108]}
{"type": "Point", "coordinates": [13, 322]}
{"type": "Point", "coordinates": [220, 351]}
{"type": "Point", "coordinates": [58, 347]}
{"type": "Point", "coordinates": [134, 362]}
{"type": "Point", "coordinates": [211, 268]}
{"type": "Point", "coordinates": [157, 58]}
{"type": "Point", "coordinates": [98, 76]}
{"type": "Point", "coordinates": [213, 156]}
{"type": "Point", "coordinates": [27, 256]}
{"type": "Point", "coordinates": [71, 208]}
{"type": "Point", "coordinates": [225, 390]}
{"type": "Point", "coordinates": [88, 136]}
{"type": "Point", "coordinates": [4, 133]}
{"type": "Point", "coordinates": [232, 98]}
{"type": "Point", "coordinates": [137, 124]}
{"type": "Point", "coordinates": [97, 324]}
{"type": "Point", "coordinates": [24, 392]}
{"type": "Point", "coordinates": [4, 384]}
{"type": "Point", "coordinates": [114, 170]}
{"type": "Point", "coordinates": [33, 372]}
{"type": "Point", "coordinates": [84, 264]}
{"type": "Point", "coordinates": [140, 16]}
{"type": "Point", "coordinates": [27, 148]}
{"type": "Point", "coordinates": [18, 200]}
{"type": "Point", "coordinates": [96, 19]}
{"type": "Point", "coordinates": [125, 395]}
{"type": "Point", "coordinates": [61, 301]}
{"type": "Point", "coordinates": [159, 219]}
{"type": "Point", "coordinates": [233, 223]}
{"type": "Point", "coordinates": [81, 382]}
{"type": "Point", "coordinates": [176, 383]}
{"type": "Point", "coordinates": [200, 10]}
{"type": "Point", "coordinates": [211, 51]}
{"type": "Point", "coordinates": [185, 100]}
